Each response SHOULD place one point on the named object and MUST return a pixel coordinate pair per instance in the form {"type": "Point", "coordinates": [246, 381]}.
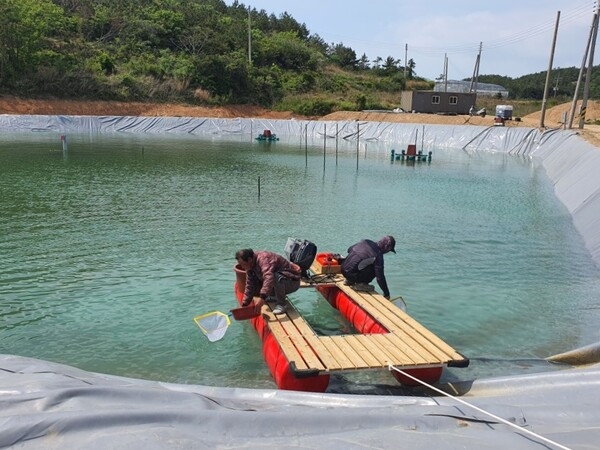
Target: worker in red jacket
{"type": "Point", "coordinates": [365, 262]}
{"type": "Point", "coordinates": [267, 275]}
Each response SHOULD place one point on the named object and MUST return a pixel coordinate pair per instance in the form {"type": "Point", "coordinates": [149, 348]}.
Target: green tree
{"type": "Point", "coordinates": [286, 22]}
{"type": "Point", "coordinates": [317, 43]}
{"type": "Point", "coordinates": [343, 56]}
{"type": "Point", "coordinates": [26, 31]}
{"type": "Point", "coordinates": [410, 69]}
{"type": "Point", "coordinates": [390, 66]}
{"type": "Point", "coordinates": [363, 62]}
{"type": "Point", "coordinates": [183, 49]}
{"type": "Point", "coordinates": [286, 51]}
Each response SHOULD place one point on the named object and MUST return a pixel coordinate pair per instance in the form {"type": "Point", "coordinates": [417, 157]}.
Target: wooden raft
{"type": "Point", "coordinates": [407, 345]}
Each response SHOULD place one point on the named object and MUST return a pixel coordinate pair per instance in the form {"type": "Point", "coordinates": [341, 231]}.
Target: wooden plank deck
{"type": "Point", "coordinates": [408, 344]}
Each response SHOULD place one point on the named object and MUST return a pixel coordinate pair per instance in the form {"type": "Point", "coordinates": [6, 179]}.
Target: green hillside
{"type": "Point", "coordinates": [197, 52]}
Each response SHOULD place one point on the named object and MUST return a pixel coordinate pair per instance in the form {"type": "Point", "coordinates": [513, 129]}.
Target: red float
{"type": "Point", "coordinates": [361, 321]}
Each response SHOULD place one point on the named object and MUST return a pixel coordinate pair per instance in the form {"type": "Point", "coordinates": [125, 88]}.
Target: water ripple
{"type": "Point", "coordinates": [106, 256]}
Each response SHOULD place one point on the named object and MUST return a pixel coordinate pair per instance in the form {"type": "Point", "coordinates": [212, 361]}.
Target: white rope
{"type": "Point", "coordinates": [500, 419]}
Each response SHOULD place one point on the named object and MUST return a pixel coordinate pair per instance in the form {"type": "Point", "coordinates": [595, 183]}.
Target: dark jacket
{"type": "Point", "coordinates": [267, 266]}
{"type": "Point", "coordinates": [360, 257]}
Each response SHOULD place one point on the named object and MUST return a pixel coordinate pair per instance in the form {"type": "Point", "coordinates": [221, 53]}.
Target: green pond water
{"type": "Point", "coordinates": [109, 250]}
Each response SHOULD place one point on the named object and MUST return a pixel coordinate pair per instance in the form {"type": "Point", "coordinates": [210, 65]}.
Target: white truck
{"type": "Point", "coordinates": [504, 111]}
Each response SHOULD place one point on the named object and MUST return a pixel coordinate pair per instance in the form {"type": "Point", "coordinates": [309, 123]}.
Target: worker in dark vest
{"type": "Point", "coordinates": [365, 262]}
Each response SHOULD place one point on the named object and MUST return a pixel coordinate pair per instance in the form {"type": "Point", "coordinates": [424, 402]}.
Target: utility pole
{"type": "Point", "coordinates": [445, 72]}
{"type": "Point", "coordinates": [249, 38]}
{"type": "Point", "coordinates": [475, 77]}
{"type": "Point", "coordinates": [405, 59]}
{"type": "Point", "coordinates": [585, 57]}
{"type": "Point", "coordinates": [550, 63]}
{"type": "Point", "coordinates": [588, 75]}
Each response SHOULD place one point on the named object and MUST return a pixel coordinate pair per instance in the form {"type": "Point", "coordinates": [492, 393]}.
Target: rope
{"type": "Point", "coordinates": [500, 419]}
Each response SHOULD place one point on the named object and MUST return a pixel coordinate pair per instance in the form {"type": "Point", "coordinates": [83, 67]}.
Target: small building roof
{"type": "Point", "coordinates": [464, 86]}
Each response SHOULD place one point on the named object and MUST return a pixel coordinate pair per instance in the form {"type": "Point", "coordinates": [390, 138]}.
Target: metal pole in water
{"type": "Point", "coordinates": [336, 142]}
{"type": "Point", "coordinates": [357, 142]}
{"type": "Point", "coordinates": [63, 140]}
{"type": "Point", "coordinates": [324, 142]}
{"type": "Point", "coordinates": [306, 145]}
{"type": "Point", "coordinates": [259, 187]}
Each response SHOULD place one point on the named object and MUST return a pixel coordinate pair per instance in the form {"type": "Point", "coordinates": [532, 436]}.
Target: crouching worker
{"type": "Point", "coordinates": [365, 262]}
{"type": "Point", "coordinates": [267, 275]}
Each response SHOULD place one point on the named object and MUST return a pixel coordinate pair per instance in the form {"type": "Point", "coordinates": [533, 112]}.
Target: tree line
{"type": "Point", "coordinates": [166, 49]}
{"type": "Point", "coordinates": [197, 51]}
{"type": "Point", "coordinates": [562, 84]}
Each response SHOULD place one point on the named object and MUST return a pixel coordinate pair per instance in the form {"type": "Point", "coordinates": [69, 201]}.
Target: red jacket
{"type": "Point", "coordinates": [260, 280]}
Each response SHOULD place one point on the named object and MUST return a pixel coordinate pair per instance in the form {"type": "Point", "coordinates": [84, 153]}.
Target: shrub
{"type": "Point", "coordinates": [308, 105]}
{"type": "Point", "coordinates": [202, 95]}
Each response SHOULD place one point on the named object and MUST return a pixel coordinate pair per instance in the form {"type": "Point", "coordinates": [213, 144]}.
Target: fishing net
{"type": "Point", "coordinates": [213, 324]}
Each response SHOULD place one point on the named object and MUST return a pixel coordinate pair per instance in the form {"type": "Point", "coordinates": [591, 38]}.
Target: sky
{"type": "Point", "coordinates": [516, 36]}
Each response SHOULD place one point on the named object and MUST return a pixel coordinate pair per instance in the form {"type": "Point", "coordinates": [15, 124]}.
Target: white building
{"type": "Point", "coordinates": [485, 89]}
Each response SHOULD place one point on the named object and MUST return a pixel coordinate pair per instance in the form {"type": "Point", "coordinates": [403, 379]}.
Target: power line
{"type": "Point", "coordinates": [544, 28]}
{"type": "Point", "coordinates": [573, 15]}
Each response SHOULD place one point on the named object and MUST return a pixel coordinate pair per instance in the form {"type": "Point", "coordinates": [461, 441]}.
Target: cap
{"type": "Point", "coordinates": [387, 244]}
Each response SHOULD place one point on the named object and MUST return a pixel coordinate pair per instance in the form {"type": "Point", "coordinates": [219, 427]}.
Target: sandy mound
{"type": "Point", "coordinates": [553, 117]}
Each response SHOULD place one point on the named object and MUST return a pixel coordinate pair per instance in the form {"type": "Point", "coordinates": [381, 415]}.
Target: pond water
{"type": "Point", "coordinates": [109, 250]}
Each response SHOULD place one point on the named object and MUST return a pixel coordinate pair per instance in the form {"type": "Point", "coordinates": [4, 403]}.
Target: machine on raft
{"type": "Point", "coordinates": [266, 135]}
{"type": "Point", "coordinates": [411, 154]}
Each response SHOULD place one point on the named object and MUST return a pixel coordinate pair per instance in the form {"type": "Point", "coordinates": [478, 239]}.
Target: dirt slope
{"type": "Point", "coordinates": [13, 105]}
